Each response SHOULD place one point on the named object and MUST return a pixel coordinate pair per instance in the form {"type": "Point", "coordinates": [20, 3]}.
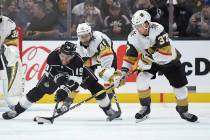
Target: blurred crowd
{"type": "Point", "coordinates": [57, 19]}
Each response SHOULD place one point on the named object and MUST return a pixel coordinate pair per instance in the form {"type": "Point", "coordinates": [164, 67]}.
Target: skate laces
{"type": "Point", "coordinates": [12, 113]}
{"type": "Point", "coordinates": [64, 108]}
{"type": "Point", "coordinates": [110, 112]}
{"type": "Point", "coordinates": [187, 115]}
{"type": "Point", "coordinates": [143, 110]}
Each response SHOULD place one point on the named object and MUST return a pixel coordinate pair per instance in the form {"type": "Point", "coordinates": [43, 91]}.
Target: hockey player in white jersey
{"type": "Point", "coordinates": [96, 49]}
{"type": "Point", "coordinates": [10, 64]}
{"type": "Point", "coordinates": [148, 45]}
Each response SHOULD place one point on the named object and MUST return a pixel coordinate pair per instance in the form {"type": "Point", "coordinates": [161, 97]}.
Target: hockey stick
{"type": "Point", "coordinates": [42, 120]}
{"type": "Point", "coordinates": [115, 95]}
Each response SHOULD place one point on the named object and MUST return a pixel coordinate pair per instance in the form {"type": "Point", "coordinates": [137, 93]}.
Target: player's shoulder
{"type": "Point", "coordinates": [7, 20]}
{"type": "Point", "coordinates": [132, 37]}
{"type": "Point", "coordinates": [78, 58]}
{"type": "Point", "coordinates": [53, 57]}
{"type": "Point", "coordinates": [156, 28]}
{"type": "Point", "coordinates": [100, 36]}
{"type": "Point", "coordinates": [97, 35]}
{"type": "Point", "coordinates": [77, 61]}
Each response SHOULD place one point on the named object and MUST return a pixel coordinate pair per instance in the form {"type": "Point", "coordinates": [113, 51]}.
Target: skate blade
{"type": "Point", "coordinates": [115, 119]}
{"type": "Point", "coordinates": [143, 119]}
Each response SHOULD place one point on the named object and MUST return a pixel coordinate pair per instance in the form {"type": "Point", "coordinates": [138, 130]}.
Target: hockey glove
{"type": "Point", "coordinates": [60, 79]}
{"type": "Point", "coordinates": [119, 79]}
{"type": "Point", "coordinates": [106, 74]}
{"type": "Point", "coordinates": [61, 94]}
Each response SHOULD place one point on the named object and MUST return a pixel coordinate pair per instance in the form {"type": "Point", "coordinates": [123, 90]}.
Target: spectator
{"type": "Point", "coordinates": [61, 25]}
{"type": "Point", "coordinates": [181, 17]}
{"type": "Point", "coordinates": [159, 3]}
{"type": "Point", "coordinates": [25, 14]}
{"type": "Point", "coordinates": [106, 4]}
{"type": "Point", "coordinates": [199, 24]}
{"type": "Point", "coordinates": [11, 9]}
{"type": "Point", "coordinates": [21, 17]}
{"type": "Point", "coordinates": [159, 15]}
{"type": "Point", "coordinates": [194, 5]}
{"type": "Point", "coordinates": [49, 5]}
{"type": "Point", "coordinates": [117, 25]}
{"type": "Point", "coordinates": [87, 12]}
{"type": "Point", "coordinates": [42, 25]}
{"type": "Point", "coordinates": [62, 15]}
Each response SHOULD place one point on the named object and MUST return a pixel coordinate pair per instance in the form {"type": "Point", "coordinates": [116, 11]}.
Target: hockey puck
{"type": "Point", "coordinates": [40, 122]}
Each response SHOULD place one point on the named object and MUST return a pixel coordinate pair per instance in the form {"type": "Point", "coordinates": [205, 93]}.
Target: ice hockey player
{"type": "Point", "coordinates": [149, 46]}
{"type": "Point", "coordinates": [96, 49]}
{"type": "Point", "coordinates": [65, 73]}
{"type": "Point", "coordinates": [10, 64]}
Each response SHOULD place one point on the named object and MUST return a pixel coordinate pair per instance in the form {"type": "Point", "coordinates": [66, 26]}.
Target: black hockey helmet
{"type": "Point", "coordinates": [68, 48]}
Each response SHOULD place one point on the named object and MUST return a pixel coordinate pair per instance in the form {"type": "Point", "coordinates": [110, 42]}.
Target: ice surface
{"type": "Point", "coordinates": [87, 122]}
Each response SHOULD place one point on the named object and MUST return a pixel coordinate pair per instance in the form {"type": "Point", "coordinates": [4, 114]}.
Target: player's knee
{"type": "Point", "coordinates": [102, 99]}
{"type": "Point", "coordinates": [35, 94]}
{"type": "Point", "coordinates": [181, 93]}
{"type": "Point", "coordinates": [24, 102]}
{"type": "Point", "coordinates": [95, 88]}
{"type": "Point", "coordinates": [101, 96]}
{"type": "Point", "coordinates": [143, 81]}
{"type": "Point", "coordinates": [103, 102]}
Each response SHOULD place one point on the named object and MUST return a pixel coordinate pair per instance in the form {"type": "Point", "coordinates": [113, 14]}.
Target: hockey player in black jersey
{"type": "Point", "coordinates": [64, 74]}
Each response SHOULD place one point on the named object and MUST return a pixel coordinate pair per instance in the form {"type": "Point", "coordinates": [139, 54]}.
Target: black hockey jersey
{"type": "Point", "coordinates": [75, 69]}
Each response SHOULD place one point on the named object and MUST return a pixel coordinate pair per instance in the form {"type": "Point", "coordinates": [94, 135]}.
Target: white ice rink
{"type": "Point", "coordinates": [87, 122]}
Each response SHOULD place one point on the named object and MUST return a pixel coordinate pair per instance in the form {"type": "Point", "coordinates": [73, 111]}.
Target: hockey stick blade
{"type": "Point", "coordinates": [51, 119]}
{"type": "Point", "coordinates": [43, 120]}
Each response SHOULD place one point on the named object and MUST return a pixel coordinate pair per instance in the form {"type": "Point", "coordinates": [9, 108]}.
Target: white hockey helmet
{"type": "Point", "coordinates": [83, 29]}
{"type": "Point", "coordinates": [140, 17]}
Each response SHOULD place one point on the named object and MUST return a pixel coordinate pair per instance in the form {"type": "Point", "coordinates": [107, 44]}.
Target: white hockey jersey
{"type": "Point", "coordinates": [152, 48]}
{"type": "Point", "coordinates": [11, 72]}
{"type": "Point", "coordinates": [99, 50]}
{"type": "Point", "coordinates": [9, 40]}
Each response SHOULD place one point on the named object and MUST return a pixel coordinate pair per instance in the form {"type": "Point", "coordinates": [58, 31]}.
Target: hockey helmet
{"type": "Point", "coordinates": [140, 17]}
{"type": "Point", "coordinates": [83, 29]}
{"type": "Point", "coordinates": [68, 48]}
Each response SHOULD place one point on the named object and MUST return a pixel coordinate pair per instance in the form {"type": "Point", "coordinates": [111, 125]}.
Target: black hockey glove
{"type": "Point", "coordinates": [65, 89]}
{"type": "Point", "coordinates": [61, 94]}
{"type": "Point", "coordinates": [60, 79]}
{"type": "Point", "coordinates": [72, 85]}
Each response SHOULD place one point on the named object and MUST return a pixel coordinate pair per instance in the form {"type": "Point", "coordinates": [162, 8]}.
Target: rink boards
{"type": "Point", "coordinates": [133, 98]}
{"type": "Point", "coordinates": [195, 58]}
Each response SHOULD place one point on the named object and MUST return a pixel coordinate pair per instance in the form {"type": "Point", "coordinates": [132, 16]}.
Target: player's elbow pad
{"type": "Point", "coordinates": [107, 61]}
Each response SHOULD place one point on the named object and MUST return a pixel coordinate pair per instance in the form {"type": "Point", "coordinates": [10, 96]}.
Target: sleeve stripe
{"type": "Point", "coordinates": [164, 53]}
{"type": "Point", "coordinates": [106, 54]}
{"type": "Point", "coordinates": [130, 62]}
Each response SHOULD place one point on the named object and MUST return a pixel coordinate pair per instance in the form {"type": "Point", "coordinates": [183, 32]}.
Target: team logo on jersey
{"type": "Point", "coordinates": [46, 84]}
{"type": "Point", "coordinates": [141, 14]}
